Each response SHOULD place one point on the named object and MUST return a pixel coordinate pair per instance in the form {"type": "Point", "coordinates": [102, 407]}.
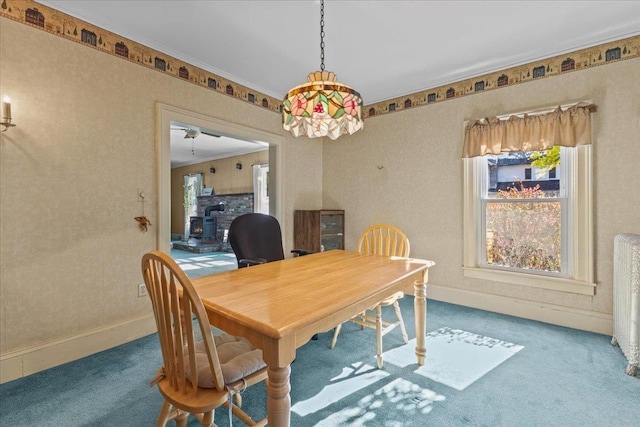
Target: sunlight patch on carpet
{"type": "Point", "coordinates": [455, 358]}
{"type": "Point", "coordinates": [218, 263]}
{"type": "Point", "coordinates": [203, 262]}
{"type": "Point", "coordinates": [353, 378]}
{"type": "Point", "coordinates": [186, 267]}
{"type": "Point", "coordinates": [202, 258]}
{"type": "Point", "coordinates": [402, 395]}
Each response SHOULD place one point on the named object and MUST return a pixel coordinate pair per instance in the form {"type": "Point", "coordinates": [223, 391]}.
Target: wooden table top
{"type": "Point", "coordinates": [280, 298]}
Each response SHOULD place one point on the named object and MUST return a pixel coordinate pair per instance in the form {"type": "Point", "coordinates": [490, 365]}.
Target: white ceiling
{"type": "Point", "coordinates": [204, 147]}
{"type": "Point", "coordinates": [383, 49]}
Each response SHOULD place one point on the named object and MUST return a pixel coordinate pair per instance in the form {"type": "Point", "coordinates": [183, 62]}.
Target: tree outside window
{"type": "Point", "coordinates": [523, 221]}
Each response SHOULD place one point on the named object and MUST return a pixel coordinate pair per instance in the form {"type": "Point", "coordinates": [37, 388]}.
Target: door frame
{"type": "Point", "coordinates": [165, 114]}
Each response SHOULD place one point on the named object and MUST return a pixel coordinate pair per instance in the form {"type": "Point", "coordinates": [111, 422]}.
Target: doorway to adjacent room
{"type": "Point", "coordinates": [268, 194]}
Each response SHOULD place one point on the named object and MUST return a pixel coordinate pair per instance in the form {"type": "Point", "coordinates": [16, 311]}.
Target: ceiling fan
{"type": "Point", "coordinates": [193, 133]}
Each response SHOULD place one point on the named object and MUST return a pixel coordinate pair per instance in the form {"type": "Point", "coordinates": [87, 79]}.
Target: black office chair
{"type": "Point", "coordinates": [256, 239]}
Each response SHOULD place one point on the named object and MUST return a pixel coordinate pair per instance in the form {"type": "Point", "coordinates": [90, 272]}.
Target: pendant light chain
{"type": "Point", "coordinates": [321, 35]}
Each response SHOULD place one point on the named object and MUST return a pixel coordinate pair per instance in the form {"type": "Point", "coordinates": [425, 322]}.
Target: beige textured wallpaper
{"type": "Point", "coordinates": [70, 173]}
{"type": "Point", "coordinates": [406, 169]}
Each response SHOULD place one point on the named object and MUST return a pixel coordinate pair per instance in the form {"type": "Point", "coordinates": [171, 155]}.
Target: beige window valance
{"type": "Point", "coordinates": [566, 127]}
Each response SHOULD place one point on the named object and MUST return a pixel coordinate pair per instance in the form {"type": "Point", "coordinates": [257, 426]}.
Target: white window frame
{"type": "Point", "coordinates": [577, 276]}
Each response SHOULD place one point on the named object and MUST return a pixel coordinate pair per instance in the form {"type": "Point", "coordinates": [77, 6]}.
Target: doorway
{"type": "Point", "coordinates": [167, 114]}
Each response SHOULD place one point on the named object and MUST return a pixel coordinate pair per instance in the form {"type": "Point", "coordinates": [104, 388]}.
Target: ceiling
{"type": "Point", "coordinates": [192, 144]}
{"type": "Point", "coordinates": [383, 49]}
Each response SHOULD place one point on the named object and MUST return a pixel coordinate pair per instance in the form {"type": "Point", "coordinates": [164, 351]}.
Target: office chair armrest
{"type": "Point", "coordinates": [300, 252]}
{"type": "Point", "coordinates": [252, 261]}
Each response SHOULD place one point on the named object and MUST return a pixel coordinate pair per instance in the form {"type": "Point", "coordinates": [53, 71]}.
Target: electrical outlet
{"type": "Point", "coordinates": [142, 290]}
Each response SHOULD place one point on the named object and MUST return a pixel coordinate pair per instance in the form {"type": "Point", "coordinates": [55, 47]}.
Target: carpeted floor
{"type": "Point", "coordinates": [483, 369]}
{"type": "Point", "coordinates": [196, 265]}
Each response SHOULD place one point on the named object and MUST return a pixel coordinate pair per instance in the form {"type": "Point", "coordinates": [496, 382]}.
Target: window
{"type": "Point", "coordinates": [528, 224]}
{"type": "Point", "coordinates": [521, 222]}
{"type": "Point", "coordinates": [192, 189]}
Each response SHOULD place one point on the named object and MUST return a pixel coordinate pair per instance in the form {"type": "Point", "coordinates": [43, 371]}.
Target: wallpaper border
{"type": "Point", "coordinates": [57, 23]}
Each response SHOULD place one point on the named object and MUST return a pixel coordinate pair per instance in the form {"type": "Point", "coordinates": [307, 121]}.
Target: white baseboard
{"type": "Point", "coordinates": [28, 361]}
{"type": "Point", "coordinates": [601, 323]}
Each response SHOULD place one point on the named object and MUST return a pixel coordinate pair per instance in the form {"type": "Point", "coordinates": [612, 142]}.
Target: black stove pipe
{"type": "Point", "coordinates": [219, 207]}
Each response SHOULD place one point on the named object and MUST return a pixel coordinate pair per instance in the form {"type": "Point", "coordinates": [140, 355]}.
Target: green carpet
{"type": "Point", "coordinates": [483, 369]}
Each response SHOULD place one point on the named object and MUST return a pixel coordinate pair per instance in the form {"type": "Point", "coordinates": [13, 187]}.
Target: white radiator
{"type": "Point", "coordinates": [626, 298]}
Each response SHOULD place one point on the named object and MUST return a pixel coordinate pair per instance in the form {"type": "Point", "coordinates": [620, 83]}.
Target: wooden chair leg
{"type": "Point", "coordinates": [396, 308]}
{"type": "Point", "coordinates": [181, 419]}
{"type": "Point", "coordinates": [336, 332]}
{"type": "Point", "coordinates": [164, 414]}
{"type": "Point", "coordinates": [207, 419]}
{"type": "Point", "coordinates": [379, 336]}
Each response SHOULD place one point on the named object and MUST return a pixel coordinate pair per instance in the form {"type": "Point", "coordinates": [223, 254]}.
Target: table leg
{"type": "Point", "coordinates": [379, 335]}
{"type": "Point", "coordinates": [420, 314]}
{"type": "Point", "coordinates": [278, 398]}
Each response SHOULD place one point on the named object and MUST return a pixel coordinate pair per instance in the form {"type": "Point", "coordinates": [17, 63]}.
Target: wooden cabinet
{"type": "Point", "coordinates": [318, 230]}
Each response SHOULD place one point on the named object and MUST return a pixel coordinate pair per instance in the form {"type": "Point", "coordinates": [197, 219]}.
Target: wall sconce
{"type": "Point", "coordinates": [6, 114]}
{"type": "Point", "coordinates": [238, 165]}
{"type": "Point", "coordinates": [212, 170]}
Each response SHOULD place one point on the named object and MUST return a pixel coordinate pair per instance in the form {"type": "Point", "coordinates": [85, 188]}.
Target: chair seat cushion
{"type": "Point", "coordinates": [238, 359]}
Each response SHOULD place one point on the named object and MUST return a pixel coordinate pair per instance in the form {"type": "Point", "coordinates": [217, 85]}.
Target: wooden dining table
{"type": "Point", "coordinates": [279, 306]}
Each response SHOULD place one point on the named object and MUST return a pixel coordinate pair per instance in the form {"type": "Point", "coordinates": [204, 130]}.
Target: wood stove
{"type": "Point", "coordinates": [205, 227]}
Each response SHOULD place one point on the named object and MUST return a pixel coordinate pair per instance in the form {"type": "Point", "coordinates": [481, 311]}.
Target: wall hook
{"type": "Point", "coordinates": [143, 221]}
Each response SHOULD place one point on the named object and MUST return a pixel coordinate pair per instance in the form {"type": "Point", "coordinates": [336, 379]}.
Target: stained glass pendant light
{"type": "Point", "coordinates": [322, 106]}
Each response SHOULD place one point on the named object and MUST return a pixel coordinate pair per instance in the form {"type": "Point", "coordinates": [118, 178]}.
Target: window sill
{"type": "Point", "coordinates": [536, 281]}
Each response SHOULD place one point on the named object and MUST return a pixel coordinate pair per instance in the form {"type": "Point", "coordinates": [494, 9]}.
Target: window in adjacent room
{"type": "Point", "coordinates": [192, 188]}
{"type": "Point", "coordinates": [527, 217]}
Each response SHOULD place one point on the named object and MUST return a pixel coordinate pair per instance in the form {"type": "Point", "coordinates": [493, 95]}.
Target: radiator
{"type": "Point", "coordinates": [626, 298]}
